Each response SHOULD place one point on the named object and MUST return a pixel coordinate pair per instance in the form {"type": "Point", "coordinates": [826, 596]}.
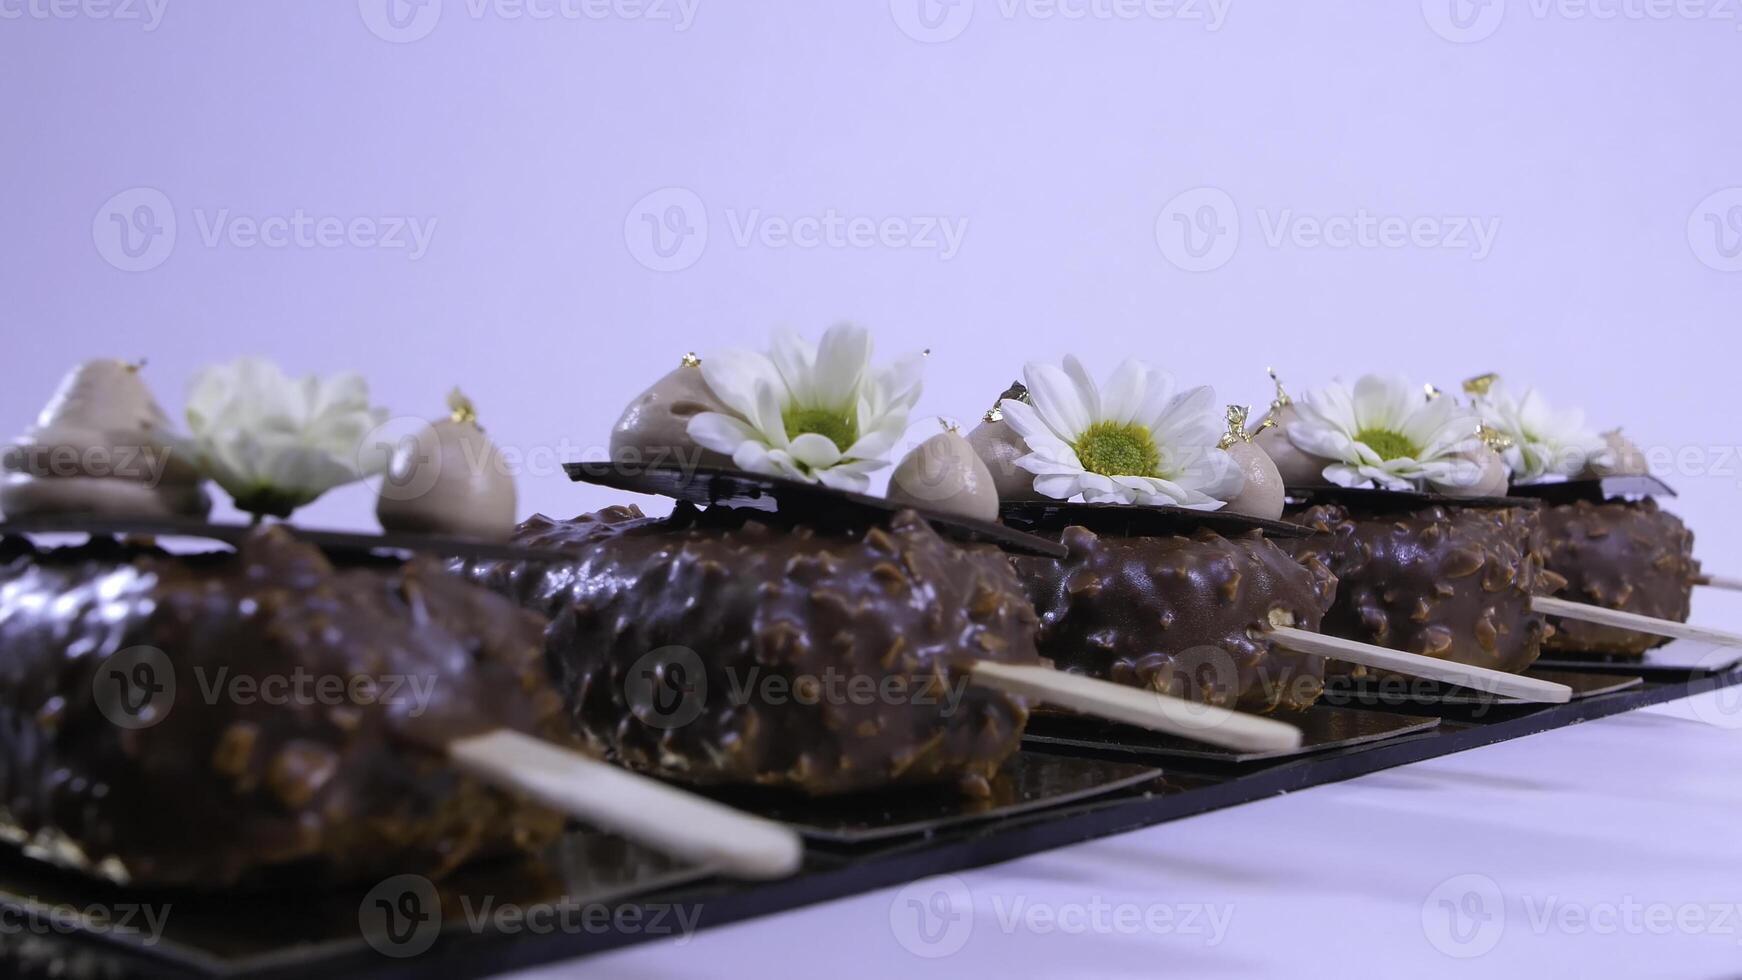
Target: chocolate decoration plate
{"type": "Point", "coordinates": [1322, 727]}
{"type": "Point", "coordinates": [1138, 520]}
{"type": "Point", "coordinates": [1030, 781]}
{"type": "Point", "coordinates": [232, 534]}
{"type": "Point", "coordinates": [1596, 491]}
{"type": "Point", "coordinates": [810, 503]}
{"type": "Point", "coordinates": [1397, 499]}
{"type": "Point", "coordinates": [1408, 693]}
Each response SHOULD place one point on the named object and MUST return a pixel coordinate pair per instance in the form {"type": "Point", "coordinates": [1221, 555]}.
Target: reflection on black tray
{"type": "Point", "coordinates": [1029, 781]}
{"type": "Point", "coordinates": [1677, 661]}
{"type": "Point", "coordinates": [224, 933]}
{"type": "Point", "coordinates": [1395, 692]}
{"type": "Point", "coordinates": [1322, 728]}
{"type": "Point", "coordinates": [1137, 519]}
{"type": "Point", "coordinates": [796, 500]}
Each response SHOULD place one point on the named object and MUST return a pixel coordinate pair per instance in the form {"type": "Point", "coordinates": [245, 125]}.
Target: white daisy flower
{"type": "Point", "coordinates": [1132, 440]}
{"type": "Point", "coordinates": [1386, 432]}
{"type": "Point", "coordinates": [276, 443]}
{"type": "Point", "coordinates": [1545, 443]}
{"type": "Point", "coordinates": [817, 413]}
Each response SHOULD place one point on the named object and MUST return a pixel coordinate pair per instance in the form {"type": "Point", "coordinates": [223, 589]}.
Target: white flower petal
{"type": "Point", "coordinates": [720, 432]}
{"type": "Point", "coordinates": [1057, 401]}
{"type": "Point", "coordinates": [1124, 398]}
{"type": "Point", "coordinates": [815, 451]}
{"type": "Point", "coordinates": [843, 358]}
{"type": "Point", "coordinates": [1087, 393]}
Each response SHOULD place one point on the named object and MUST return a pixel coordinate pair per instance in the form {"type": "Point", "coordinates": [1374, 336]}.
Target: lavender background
{"type": "Point", "coordinates": [1064, 144]}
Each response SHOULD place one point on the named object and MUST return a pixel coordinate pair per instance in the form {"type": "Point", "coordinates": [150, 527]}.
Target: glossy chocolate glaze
{"type": "Point", "coordinates": [233, 784]}
{"type": "Point", "coordinates": [1436, 579]}
{"type": "Point", "coordinates": [1631, 556]}
{"type": "Point", "coordinates": [784, 625]}
{"type": "Point", "coordinates": [1182, 615]}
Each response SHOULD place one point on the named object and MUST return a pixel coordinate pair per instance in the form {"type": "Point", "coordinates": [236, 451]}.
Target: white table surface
{"type": "Point", "coordinates": [1610, 848]}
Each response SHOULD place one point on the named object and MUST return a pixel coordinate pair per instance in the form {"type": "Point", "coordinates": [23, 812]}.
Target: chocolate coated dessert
{"type": "Point", "coordinates": [258, 715]}
{"type": "Point", "coordinates": [1182, 615]}
{"type": "Point", "coordinates": [1440, 580]}
{"type": "Point", "coordinates": [1630, 556]}
{"type": "Point", "coordinates": [715, 647]}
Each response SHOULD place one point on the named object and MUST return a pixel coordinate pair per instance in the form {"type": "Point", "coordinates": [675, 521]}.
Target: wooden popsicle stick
{"type": "Point", "coordinates": [1586, 613]}
{"type": "Point", "coordinates": [1136, 706]}
{"type": "Point", "coordinates": [1720, 582]}
{"type": "Point", "coordinates": [639, 807]}
{"type": "Point", "coordinates": [1484, 679]}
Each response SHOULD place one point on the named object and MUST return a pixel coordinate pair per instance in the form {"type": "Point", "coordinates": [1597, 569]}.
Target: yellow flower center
{"type": "Point", "coordinates": [840, 429]}
{"type": "Point", "coordinates": [1118, 449]}
{"type": "Point", "coordinates": [1389, 445]}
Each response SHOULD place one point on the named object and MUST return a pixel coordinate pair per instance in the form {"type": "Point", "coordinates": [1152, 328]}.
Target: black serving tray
{"type": "Point", "coordinates": [290, 933]}
{"type": "Point", "coordinates": [1681, 660]}
{"type": "Point", "coordinates": [795, 500]}
{"type": "Point", "coordinates": [234, 534]}
{"type": "Point", "coordinates": [1322, 727]}
{"type": "Point", "coordinates": [1186, 790]}
{"type": "Point", "coordinates": [1597, 490]}
{"type": "Point", "coordinates": [1137, 520]}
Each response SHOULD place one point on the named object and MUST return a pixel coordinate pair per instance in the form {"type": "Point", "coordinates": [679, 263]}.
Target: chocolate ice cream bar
{"type": "Point", "coordinates": [1433, 578]}
{"type": "Point", "coordinates": [1182, 614]}
{"type": "Point", "coordinates": [259, 715]}
{"type": "Point", "coordinates": [1619, 554]}
{"type": "Point", "coordinates": [725, 647]}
